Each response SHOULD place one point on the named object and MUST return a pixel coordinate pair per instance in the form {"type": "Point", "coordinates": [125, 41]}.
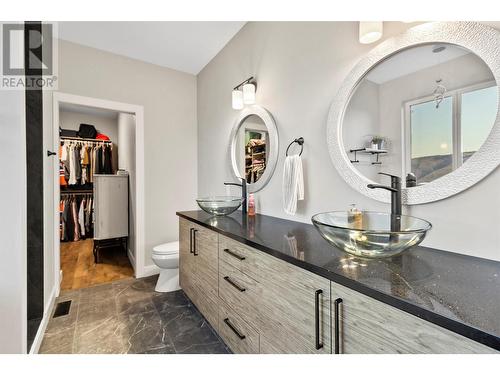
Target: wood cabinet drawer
{"type": "Point", "coordinates": [242, 257]}
{"type": "Point", "coordinates": [241, 292]}
{"type": "Point", "coordinates": [370, 326]}
{"type": "Point", "coordinates": [281, 301]}
{"type": "Point", "coordinates": [236, 333]}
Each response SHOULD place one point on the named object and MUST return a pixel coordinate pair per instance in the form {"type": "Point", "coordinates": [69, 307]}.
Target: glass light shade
{"type": "Point", "coordinates": [237, 99]}
{"type": "Point", "coordinates": [370, 32]}
{"type": "Point", "coordinates": [249, 93]}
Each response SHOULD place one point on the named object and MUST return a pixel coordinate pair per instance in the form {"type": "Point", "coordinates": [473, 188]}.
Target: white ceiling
{"type": "Point", "coordinates": [413, 60]}
{"type": "Point", "coordinates": [183, 46]}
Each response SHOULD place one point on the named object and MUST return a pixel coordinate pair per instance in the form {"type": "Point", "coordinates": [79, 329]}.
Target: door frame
{"type": "Point", "coordinates": [138, 262]}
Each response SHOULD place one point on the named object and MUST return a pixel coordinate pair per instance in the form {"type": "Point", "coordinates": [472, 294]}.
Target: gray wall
{"type": "Point", "coordinates": [169, 100]}
{"type": "Point", "coordinates": [299, 67]}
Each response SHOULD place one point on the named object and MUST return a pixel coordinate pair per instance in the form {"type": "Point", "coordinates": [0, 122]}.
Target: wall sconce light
{"type": "Point", "coordinates": [237, 99]}
{"type": "Point", "coordinates": [370, 32]}
{"type": "Point", "coordinates": [244, 93]}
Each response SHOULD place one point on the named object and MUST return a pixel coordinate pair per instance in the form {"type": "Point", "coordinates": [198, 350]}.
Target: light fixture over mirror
{"type": "Point", "coordinates": [249, 93]}
{"type": "Point", "coordinates": [244, 93]}
{"type": "Point", "coordinates": [370, 32]}
{"type": "Point", "coordinates": [237, 99]}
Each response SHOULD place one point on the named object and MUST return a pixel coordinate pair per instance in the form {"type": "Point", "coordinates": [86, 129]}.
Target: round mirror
{"type": "Point", "coordinates": [420, 114]}
{"type": "Point", "coordinates": [425, 110]}
{"type": "Point", "coordinates": [254, 147]}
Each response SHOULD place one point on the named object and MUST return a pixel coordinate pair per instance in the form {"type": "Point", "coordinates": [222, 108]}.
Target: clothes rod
{"type": "Point", "coordinates": [78, 192]}
{"type": "Point", "coordinates": [62, 138]}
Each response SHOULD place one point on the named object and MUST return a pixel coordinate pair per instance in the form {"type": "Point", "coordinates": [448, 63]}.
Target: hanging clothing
{"type": "Point", "coordinates": [72, 170]}
{"type": "Point", "coordinates": [80, 160]}
{"type": "Point", "coordinates": [75, 218]}
{"type": "Point", "coordinates": [107, 165]}
{"type": "Point", "coordinates": [81, 217]}
{"type": "Point", "coordinates": [78, 164]}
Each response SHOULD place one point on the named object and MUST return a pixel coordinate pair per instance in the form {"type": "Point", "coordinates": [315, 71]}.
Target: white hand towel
{"type": "Point", "coordinates": [293, 183]}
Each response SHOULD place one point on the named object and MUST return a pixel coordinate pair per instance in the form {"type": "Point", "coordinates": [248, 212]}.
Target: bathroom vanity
{"type": "Point", "coordinates": [269, 285]}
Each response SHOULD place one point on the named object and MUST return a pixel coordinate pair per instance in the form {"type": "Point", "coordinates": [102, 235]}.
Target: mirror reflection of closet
{"type": "Point", "coordinates": [252, 148]}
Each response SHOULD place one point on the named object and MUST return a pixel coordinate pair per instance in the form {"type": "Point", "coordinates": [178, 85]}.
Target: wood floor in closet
{"type": "Point", "coordinates": [80, 271]}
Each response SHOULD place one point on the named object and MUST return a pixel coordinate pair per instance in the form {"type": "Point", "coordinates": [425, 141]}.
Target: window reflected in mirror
{"type": "Point", "coordinates": [420, 114]}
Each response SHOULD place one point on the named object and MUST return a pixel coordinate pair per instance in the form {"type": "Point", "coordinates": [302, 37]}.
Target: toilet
{"type": "Point", "coordinates": [166, 257]}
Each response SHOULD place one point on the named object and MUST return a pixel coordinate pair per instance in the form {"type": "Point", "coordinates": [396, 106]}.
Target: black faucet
{"type": "Point", "coordinates": [243, 186]}
{"type": "Point", "coordinates": [395, 190]}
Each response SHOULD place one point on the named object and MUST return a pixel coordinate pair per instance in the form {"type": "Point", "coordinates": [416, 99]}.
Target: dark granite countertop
{"type": "Point", "coordinates": [457, 292]}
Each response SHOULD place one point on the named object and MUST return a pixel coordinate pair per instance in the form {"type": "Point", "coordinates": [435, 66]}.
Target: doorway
{"type": "Point", "coordinates": [83, 254]}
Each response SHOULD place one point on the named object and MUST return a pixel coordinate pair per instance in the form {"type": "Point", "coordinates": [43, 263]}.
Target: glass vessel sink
{"type": "Point", "coordinates": [219, 205]}
{"type": "Point", "coordinates": [376, 235]}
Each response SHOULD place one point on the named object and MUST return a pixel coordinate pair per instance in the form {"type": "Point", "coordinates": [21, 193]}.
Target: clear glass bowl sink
{"type": "Point", "coordinates": [219, 206]}
{"type": "Point", "coordinates": [378, 235]}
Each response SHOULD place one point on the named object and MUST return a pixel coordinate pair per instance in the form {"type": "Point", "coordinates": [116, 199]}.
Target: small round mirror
{"type": "Point", "coordinates": [254, 147]}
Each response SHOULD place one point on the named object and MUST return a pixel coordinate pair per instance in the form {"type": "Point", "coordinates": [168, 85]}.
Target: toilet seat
{"type": "Point", "coordinates": [170, 248]}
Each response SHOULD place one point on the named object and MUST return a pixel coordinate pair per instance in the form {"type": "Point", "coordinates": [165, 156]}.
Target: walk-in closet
{"type": "Point", "coordinates": [95, 191]}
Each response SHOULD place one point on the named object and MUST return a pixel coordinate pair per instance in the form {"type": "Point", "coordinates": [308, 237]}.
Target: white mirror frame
{"type": "Point", "coordinates": [272, 158]}
{"type": "Point", "coordinates": [482, 40]}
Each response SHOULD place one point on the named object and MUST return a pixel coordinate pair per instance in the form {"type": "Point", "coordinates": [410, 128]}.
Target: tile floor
{"type": "Point", "coordinates": [128, 316]}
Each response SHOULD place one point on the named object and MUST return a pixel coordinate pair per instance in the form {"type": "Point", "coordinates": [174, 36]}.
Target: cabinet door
{"type": "Point", "coordinates": [198, 268]}
{"type": "Point", "coordinates": [295, 315]}
{"type": "Point", "coordinates": [186, 259]}
{"type": "Point", "coordinates": [205, 248]}
{"type": "Point", "coordinates": [368, 326]}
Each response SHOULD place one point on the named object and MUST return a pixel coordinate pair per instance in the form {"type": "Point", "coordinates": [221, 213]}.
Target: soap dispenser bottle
{"type": "Point", "coordinates": [355, 217]}
{"type": "Point", "coordinates": [251, 205]}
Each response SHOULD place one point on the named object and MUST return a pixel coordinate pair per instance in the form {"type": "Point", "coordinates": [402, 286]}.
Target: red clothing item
{"type": "Point", "coordinates": [101, 136]}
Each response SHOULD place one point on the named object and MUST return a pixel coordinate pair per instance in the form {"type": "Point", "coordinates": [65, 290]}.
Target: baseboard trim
{"type": "Point", "coordinates": [37, 342]}
{"type": "Point", "coordinates": [150, 270]}
{"type": "Point", "coordinates": [131, 258]}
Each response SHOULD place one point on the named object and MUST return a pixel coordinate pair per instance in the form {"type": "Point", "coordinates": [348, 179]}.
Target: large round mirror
{"type": "Point", "coordinates": [422, 112]}
{"type": "Point", "coordinates": [254, 147]}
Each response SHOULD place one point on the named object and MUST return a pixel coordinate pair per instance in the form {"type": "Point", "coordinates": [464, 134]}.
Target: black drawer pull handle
{"type": "Point", "coordinates": [228, 323]}
{"type": "Point", "coordinates": [319, 344]}
{"type": "Point", "coordinates": [234, 254]}
{"type": "Point", "coordinates": [194, 242]}
{"type": "Point", "coordinates": [228, 279]}
{"type": "Point", "coordinates": [191, 240]}
{"type": "Point", "coordinates": [336, 304]}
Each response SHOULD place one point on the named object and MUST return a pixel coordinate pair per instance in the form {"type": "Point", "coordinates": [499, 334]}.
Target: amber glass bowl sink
{"type": "Point", "coordinates": [376, 235]}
